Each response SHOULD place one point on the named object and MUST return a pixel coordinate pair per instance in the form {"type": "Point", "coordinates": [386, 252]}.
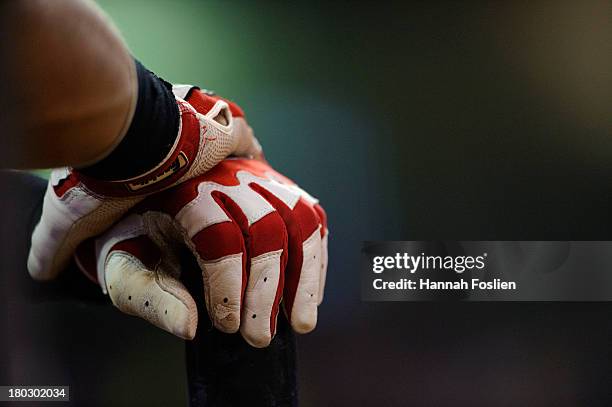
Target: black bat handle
{"type": "Point", "coordinates": [223, 370]}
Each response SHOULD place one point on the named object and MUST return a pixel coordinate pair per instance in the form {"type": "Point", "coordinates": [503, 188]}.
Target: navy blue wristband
{"type": "Point", "coordinates": [152, 132]}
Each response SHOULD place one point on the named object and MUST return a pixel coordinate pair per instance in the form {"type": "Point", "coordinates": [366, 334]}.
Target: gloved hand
{"type": "Point", "coordinates": [77, 207]}
{"type": "Point", "coordinates": [256, 236]}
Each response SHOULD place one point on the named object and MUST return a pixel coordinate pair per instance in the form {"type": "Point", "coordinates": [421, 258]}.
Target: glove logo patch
{"type": "Point", "coordinates": [179, 163]}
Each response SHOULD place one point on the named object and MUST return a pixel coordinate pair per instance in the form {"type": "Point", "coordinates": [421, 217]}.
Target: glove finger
{"type": "Point", "coordinates": [324, 236]}
{"type": "Point", "coordinates": [224, 126]}
{"type": "Point", "coordinates": [54, 238]}
{"type": "Point", "coordinates": [265, 243]}
{"type": "Point", "coordinates": [217, 242]}
{"type": "Point", "coordinates": [303, 271]}
{"type": "Point", "coordinates": [268, 253]}
{"type": "Point", "coordinates": [139, 285]}
{"type": "Point", "coordinates": [247, 145]}
{"type": "Point", "coordinates": [221, 255]}
{"type": "Point", "coordinates": [304, 284]}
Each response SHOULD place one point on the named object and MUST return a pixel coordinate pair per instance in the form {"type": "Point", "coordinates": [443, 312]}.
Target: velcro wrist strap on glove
{"type": "Point", "coordinates": [176, 164]}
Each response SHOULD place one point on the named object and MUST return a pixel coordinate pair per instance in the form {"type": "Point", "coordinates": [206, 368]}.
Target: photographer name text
{"type": "Point", "coordinates": [428, 284]}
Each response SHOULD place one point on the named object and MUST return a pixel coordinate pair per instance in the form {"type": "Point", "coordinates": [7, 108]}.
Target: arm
{"type": "Point", "coordinates": [70, 80]}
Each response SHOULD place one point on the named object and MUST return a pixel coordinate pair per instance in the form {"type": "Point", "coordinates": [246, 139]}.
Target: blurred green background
{"type": "Point", "coordinates": [426, 120]}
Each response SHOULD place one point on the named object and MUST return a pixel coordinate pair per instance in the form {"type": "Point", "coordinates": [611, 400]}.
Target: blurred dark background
{"type": "Point", "coordinates": [427, 120]}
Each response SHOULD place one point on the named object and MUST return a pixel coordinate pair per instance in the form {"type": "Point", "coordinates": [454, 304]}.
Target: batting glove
{"type": "Point", "coordinates": [77, 207]}
{"type": "Point", "coordinates": [257, 237]}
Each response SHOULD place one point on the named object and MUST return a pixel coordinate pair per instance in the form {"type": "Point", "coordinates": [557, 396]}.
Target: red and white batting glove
{"type": "Point", "coordinates": [77, 207]}
{"type": "Point", "coordinates": [258, 238]}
